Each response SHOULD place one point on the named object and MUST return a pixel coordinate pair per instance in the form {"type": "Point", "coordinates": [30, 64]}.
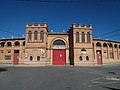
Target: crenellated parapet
{"type": "Point", "coordinates": [37, 25]}
{"type": "Point", "coordinates": [82, 26]}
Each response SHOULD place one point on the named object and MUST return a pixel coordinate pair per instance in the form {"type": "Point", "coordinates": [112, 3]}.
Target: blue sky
{"type": "Point", "coordinates": [104, 16]}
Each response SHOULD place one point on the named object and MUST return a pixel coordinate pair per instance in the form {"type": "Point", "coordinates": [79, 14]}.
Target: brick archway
{"type": "Point", "coordinates": [59, 52]}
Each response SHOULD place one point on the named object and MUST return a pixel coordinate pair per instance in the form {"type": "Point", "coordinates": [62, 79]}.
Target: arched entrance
{"type": "Point", "coordinates": [59, 52]}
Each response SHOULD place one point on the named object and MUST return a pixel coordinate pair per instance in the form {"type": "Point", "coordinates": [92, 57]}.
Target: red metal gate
{"type": "Point", "coordinates": [16, 58]}
{"type": "Point", "coordinates": [59, 57]}
{"type": "Point", "coordinates": [99, 59]}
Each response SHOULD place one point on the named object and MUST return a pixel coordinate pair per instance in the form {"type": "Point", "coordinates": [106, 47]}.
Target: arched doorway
{"type": "Point", "coordinates": [59, 52]}
{"type": "Point", "coordinates": [99, 53]}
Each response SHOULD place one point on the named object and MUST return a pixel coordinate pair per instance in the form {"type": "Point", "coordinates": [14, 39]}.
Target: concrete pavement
{"type": "Point", "coordinates": [60, 78]}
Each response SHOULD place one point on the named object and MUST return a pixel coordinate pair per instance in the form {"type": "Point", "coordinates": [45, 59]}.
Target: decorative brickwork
{"type": "Point", "coordinates": [74, 47]}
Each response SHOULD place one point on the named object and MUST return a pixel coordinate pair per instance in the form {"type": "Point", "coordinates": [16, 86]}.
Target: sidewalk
{"type": "Point", "coordinates": [6, 65]}
{"type": "Point", "coordinates": [37, 65]}
{"type": "Point", "coordinates": [21, 65]}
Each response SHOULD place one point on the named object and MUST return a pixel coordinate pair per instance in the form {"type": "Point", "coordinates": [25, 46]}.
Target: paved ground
{"type": "Point", "coordinates": [61, 78]}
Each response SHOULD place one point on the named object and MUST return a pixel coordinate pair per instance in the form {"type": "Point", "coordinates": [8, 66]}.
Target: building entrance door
{"type": "Point", "coordinates": [59, 57]}
{"type": "Point", "coordinates": [99, 57]}
{"type": "Point", "coordinates": [16, 57]}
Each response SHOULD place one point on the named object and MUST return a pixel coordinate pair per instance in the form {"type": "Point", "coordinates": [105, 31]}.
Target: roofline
{"type": "Point", "coordinates": [105, 40]}
{"type": "Point", "coordinates": [57, 33]}
{"type": "Point", "coordinates": [54, 33]}
{"type": "Point", "coordinates": [17, 38]}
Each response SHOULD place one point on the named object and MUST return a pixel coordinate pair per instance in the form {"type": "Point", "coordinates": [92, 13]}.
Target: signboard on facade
{"type": "Point", "coordinates": [83, 51]}
{"type": "Point", "coordinates": [42, 52]}
{"type": "Point", "coordinates": [58, 47]}
{"type": "Point", "coordinates": [25, 55]}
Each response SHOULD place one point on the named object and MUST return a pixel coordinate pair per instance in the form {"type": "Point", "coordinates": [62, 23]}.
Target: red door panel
{"type": "Point", "coordinates": [16, 58]}
{"type": "Point", "coordinates": [99, 59]}
{"type": "Point", "coordinates": [59, 57]}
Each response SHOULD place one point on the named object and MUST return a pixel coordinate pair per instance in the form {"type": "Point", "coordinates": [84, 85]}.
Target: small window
{"type": "Point", "coordinates": [42, 36]}
{"type": "Point", "coordinates": [35, 35]}
{"type": "Point", "coordinates": [2, 44]}
{"type": "Point", "coordinates": [87, 58]}
{"type": "Point", "coordinates": [24, 43]}
{"type": "Point", "coordinates": [9, 44]}
{"type": "Point", "coordinates": [16, 51]}
{"type": "Point", "coordinates": [31, 58]}
{"type": "Point", "coordinates": [2, 51]}
{"type": "Point", "coordinates": [80, 58]}
{"type": "Point", "coordinates": [77, 37]}
{"type": "Point", "coordinates": [88, 37]}
{"type": "Point", "coordinates": [115, 46]}
{"type": "Point", "coordinates": [7, 57]}
{"type": "Point", "coordinates": [9, 51]}
{"type": "Point", "coordinates": [104, 45]}
{"type": "Point", "coordinates": [29, 36]}
{"type": "Point", "coordinates": [38, 58]}
{"type": "Point", "coordinates": [83, 37]}
{"type": "Point", "coordinates": [17, 43]}
{"type": "Point", "coordinates": [110, 45]}
{"type": "Point", "coordinates": [98, 44]}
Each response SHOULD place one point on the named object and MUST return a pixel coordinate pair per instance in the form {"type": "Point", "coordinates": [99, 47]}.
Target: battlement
{"type": "Point", "coordinates": [37, 25]}
{"type": "Point", "coordinates": [82, 26]}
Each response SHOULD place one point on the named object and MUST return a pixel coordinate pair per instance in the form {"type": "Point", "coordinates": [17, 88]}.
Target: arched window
{"type": "Point", "coordinates": [88, 37]}
{"type": "Point", "coordinates": [38, 58]}
{"type": "Point", "coordinates": [83, 51]}
{"type": "Point", "coordinates": [42, 36]}
{"type": "Point", "coordinates": [29, 36]}
{"type": "Point", "coordinates": [83, 37]}
{"type": "Point", "coordinates": [17, 43]}
{"type": "Point", "coordinates": [2, 44]}
{"type": "Point", "coordinates": [31, 58]}
{"type": "Point", "coordinates": [104, 45]}
{"type": "Point", "coordinates": [77, 37]}
{"type": "Point", "coordinates": [80, 58]}
{"type": "Point", "coordinates": [115, 46]}
{"type": "Point", "coordinates": [98, 44]}
{"type": "Point", "coordinates": [9, 44]}
{"type": "Point", "coordinates": [87, 58]}
{"type": "Point", "coordinates": [24, 43]}
{"type": "Point", "coordinates": [58, 42]}
{"type": "Point", "coordinates": [110, 45]}
{"type": "Point", "coordinates": [35, 35]}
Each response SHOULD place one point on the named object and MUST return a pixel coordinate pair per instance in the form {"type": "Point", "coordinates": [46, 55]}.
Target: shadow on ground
{"type": "Point", "coordinates": [3, 69]}
{"type": "Point", "coordinates": [110, 88]}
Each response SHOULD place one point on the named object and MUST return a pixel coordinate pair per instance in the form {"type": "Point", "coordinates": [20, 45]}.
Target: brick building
{"type": "Point", "coordinates": [74, 47]}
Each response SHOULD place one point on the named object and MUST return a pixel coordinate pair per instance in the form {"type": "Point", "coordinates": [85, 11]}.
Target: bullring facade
{"type": "Point", "coordinates": [74, 47]}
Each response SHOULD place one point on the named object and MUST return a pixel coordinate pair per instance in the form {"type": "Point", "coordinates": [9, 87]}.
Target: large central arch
{"type": "Point", "coordinates": [59, 52]}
